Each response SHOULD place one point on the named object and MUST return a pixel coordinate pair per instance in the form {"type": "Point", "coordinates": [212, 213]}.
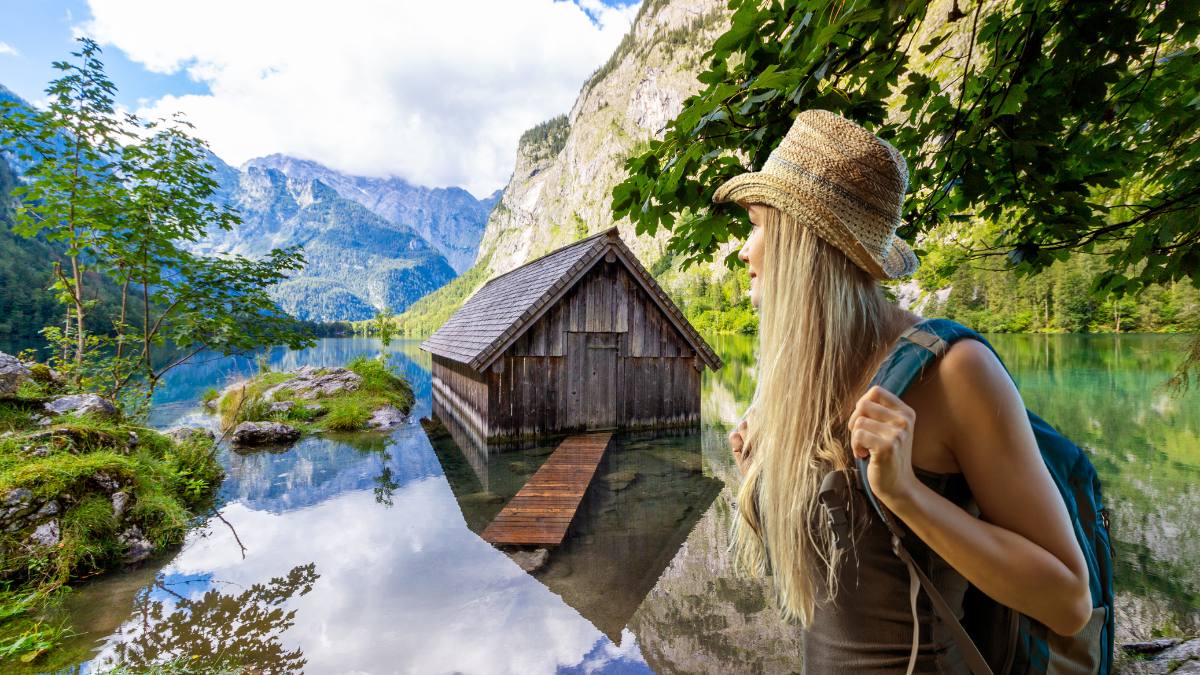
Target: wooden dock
{"type": "Point", "coordinates": [540, 513]}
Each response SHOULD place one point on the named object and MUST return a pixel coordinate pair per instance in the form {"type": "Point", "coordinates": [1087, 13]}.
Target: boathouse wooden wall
{"type": "Point", "coordinates": [604, 355]}
{"type": "Point", "coordinates": [466, 391]}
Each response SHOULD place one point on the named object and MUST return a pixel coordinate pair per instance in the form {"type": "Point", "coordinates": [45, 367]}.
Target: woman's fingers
{"type": "Point", "coordinates": [871, 410]}
{"type": "Point", "coordinates": [878, 394]}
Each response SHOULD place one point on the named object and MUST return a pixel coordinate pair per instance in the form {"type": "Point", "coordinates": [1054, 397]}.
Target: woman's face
{"type": "Point", "coordinates": [751, 252]}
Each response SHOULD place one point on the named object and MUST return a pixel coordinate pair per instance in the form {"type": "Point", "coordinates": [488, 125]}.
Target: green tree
{"type": "Point", "coordinates": [1056, 127]}
{"type": "Point", "coordinates": [128, 211]}
{"type": "Point", "coordinates": [384, 326]}
{"type": "Point", "coordinates": [72, 192]}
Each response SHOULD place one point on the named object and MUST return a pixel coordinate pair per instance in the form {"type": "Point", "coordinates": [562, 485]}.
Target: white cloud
{"type": "Point", "coordinates": [8, 50]}
{"type": "Point", "coordinates": [434, 92]}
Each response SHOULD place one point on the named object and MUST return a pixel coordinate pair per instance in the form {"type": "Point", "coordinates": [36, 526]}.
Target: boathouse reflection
{"type": "Point", "coordinates": [648, 493]}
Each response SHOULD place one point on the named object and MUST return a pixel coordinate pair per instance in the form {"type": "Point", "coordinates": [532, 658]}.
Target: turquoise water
{"type": "Point", "coordinates": [361, 553]}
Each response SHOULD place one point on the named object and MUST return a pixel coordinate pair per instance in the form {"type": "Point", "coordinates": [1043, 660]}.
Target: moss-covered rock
{"type": "Point", "coordinates": [85, 495]}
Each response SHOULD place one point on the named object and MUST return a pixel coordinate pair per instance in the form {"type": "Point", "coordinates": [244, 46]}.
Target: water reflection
{"type": "Point", "coordinates": [648, 494]}
{"type": "Point", "coordinates": [390, 523]}
{"type": "Point", "coordinates": [218, 629]}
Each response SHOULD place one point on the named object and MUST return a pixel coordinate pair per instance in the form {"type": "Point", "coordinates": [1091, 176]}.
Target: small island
{"type": "Point", "coordinates": [277, 407]}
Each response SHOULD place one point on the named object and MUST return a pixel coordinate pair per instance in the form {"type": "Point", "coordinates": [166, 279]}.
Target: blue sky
{"type": "Point", "coordinates": [46, 35]}
{"type": "Point", "coordinates": [436, 93]}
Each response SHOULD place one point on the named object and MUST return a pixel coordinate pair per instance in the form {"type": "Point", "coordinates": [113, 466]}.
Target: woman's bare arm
{"type": "Point", "coordinates": [1022, 552]}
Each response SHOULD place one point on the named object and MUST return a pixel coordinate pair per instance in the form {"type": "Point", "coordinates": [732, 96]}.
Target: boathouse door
{"type": "Point", "coordinates": [592, 365]}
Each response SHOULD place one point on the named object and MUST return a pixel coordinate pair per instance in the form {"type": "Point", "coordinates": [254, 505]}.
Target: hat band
{"type": "Point", "coordinates": [891, 217]}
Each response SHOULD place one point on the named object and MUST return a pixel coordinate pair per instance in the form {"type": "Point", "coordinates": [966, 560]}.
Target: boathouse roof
{"type": "Point", "coordinates": [499, 312]}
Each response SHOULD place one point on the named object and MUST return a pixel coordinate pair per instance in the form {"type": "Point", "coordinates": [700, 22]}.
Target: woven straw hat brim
{"type": "Point", "coordinates": [757, 187]}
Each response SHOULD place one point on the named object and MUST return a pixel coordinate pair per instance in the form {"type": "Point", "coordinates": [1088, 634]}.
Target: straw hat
{"type": "Point", "coordinates": [843, 181]}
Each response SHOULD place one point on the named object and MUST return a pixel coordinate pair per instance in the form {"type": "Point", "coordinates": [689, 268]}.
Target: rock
{"type": "Point", "coordinates": [120, 501]}
{"type": "Point", "coordinates": [309, 383]}
{"type": "Point", "coordinates": [106, 482]}
{"type": "Point", "coordinates": [264, 433]}
{"type": "Point", "coordinates": [43, 374]}
{"type": "Point", "coordinates": [1181, 658]}
{"type": "Point", "coordinates": [1150, 646]}
{"type": "Point", "coordinates": [48, 509]}
{"type": "Point", "coordinates": [46, 534]}
{"type": "Point", "coordinates": [386, 418]}
{"type": "Point", "coordinates": [138, 547]}
{"type": "Point", "coordinates": [18, 507]}
{"type": "Point", "coordinates": [619, 480]}
{"type": "Point", "coordinates": [18, 497]}
{"type": "Point", "coordinates": [281, 407]}
{"type": "Point", "coordinates": [530, 561]}
{"type": "Point", "coordinates": [82, 404]}
{"type": "Point", "coordinates": [133, 439]}
{"type": "Point", "coordinates": [183, 434]}
{"type": "Point", "coordinates": [12, 374]}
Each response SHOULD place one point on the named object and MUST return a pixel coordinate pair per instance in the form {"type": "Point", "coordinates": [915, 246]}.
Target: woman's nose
{"type": "Point", "coordinates": [742, 255]}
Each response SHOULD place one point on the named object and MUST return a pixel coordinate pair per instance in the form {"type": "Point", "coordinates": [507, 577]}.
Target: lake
{"type": "Point", "coordinates": [361, 553]}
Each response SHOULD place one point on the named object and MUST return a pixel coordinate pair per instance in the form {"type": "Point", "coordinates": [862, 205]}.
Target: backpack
{"type": "Point", "coordinates": [994, 638]}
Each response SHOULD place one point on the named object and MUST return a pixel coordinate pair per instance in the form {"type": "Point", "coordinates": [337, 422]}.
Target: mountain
{"type": "Point", "coordinates": [450, 219]}
{"type": "Point", "coordinates": [565, 169]}
{"type": "Point", "coordinates": [357, 261]}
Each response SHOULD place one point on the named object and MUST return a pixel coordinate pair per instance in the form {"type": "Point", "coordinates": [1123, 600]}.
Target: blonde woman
{"type": "Point", "coordinates": [824, 210]}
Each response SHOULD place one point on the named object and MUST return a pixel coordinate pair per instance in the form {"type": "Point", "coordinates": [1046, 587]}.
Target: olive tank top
{"type": "Point", "coordinates": [868, 626]}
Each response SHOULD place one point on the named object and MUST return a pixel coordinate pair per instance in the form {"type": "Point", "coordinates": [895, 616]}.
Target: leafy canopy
{"type": "Point", "coordinates": [1032, 128]}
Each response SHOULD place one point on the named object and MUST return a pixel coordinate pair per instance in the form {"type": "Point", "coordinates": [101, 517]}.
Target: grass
{"type": "Point", "coordinates": [168, 484]}
{"type": "Point", "coordinates": [344, 411]}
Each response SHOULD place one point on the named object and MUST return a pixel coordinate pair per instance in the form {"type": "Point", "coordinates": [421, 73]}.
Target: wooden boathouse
{"type": "Point", "coordinates": [581, 338]}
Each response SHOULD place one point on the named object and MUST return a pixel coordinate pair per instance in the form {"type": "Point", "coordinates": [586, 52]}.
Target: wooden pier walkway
{"type": "Point", "coordinates": [540, 512]}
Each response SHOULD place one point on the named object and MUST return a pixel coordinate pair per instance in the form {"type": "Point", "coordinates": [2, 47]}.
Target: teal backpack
{"type": "Point", "coordinates": [994, 638]}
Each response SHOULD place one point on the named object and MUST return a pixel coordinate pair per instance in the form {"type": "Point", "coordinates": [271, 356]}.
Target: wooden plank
{"type": "Point", "coordinates": [621, 306]}
{"type": "Point", "coordinates": [541, 512]}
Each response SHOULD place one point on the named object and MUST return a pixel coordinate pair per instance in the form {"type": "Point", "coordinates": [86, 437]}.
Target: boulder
{"type": "Point", "coordinates": [281, 407]}
{"type": "Point", "coordinates": [386, 418]}
{"type": "Point", "coordinates": [619, 480]}
{"type": "Point", "coordinates": [1181, 658]}
{"type": "Point", "coordinates": [308, 383]}
{"type": "Point", "coordinates": [530, 561]}
{"type": "Point", "coordinates": [138, 548]}
{"type": "Point", "coordinates": [43, 374]}
{"type": "Point", "coordinates": [12, 374]}
{"type": "Point", "coordinates": [46, 534]}
{"type": "Point", "coordinates": [183, 434]}
{"type": "Point", "coordinates": [264, 433]}
{"type": "Point", "coordinates": [106, 482]}
{"type": "Point", "coordinates": [82, 404]}
{"type": "Point", "coordinates": [120, 502]}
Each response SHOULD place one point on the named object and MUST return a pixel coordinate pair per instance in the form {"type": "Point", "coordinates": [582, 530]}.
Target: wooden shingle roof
{"type": "Point", "coordinates": [509, 304]}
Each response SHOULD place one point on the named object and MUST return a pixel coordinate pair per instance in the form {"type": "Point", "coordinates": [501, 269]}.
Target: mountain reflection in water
{"type": "Point", "coordinates": [380, 534]}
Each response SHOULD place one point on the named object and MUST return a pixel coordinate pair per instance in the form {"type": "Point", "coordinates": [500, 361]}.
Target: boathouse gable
{"type": "Point", "coordinates": [581, 338]}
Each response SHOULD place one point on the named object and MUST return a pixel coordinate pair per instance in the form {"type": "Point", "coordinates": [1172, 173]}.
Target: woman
{"type": "Point", "coordinates": [824, 210]}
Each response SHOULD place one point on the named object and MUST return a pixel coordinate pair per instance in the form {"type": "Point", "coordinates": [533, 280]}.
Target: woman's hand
{"type": "Point", "coordinates": [741, 449]}
{"type": "Point", "coordinates": [881, 427]}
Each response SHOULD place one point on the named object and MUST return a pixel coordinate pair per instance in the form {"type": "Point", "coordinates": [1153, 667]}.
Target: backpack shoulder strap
{"type": "Point", "coordinates": [917, 348]}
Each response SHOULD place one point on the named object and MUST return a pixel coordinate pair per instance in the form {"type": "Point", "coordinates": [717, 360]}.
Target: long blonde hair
{"type": "Point", "coordinates": [823, 322]}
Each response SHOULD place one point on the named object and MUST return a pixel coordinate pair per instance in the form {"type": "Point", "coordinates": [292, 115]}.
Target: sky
{"type": "Point", "coordinates": [435, 92]}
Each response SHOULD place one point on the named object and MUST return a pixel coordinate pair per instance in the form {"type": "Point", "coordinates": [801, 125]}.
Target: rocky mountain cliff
{"type": "Point", "coordinates": [357, 261]}
{"type": "Point", "coordinates": [566, 168]}
{"type": "Point", "coordinates": [450, 219]}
